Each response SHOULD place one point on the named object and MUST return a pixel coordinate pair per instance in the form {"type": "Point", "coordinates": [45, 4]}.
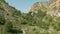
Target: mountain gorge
{"type": "Point", "coordinates": [43, 18]}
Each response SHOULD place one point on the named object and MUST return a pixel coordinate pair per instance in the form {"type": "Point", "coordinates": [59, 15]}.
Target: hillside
{"type": "Point", "coordinates": [43, 18]}
{"type": "Point", "coordinates": [51, 7]}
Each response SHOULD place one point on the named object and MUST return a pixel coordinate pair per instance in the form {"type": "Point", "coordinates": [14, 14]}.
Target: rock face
{"type": "Point", "coordinates": [52, 7]}
{"type": "Point", "coordinates": [38, 5]}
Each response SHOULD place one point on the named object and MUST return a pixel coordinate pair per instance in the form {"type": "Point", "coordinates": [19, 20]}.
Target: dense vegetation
{"type": "Point", "coordinates": [12, 21]}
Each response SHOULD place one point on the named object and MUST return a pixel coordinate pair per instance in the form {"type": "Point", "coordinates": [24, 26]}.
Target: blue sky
{"type": "Point", "coordinates": [22, 5]}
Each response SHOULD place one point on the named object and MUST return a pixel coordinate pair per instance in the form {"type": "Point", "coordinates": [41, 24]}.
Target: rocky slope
{"type": "Point", "coordinates": [52, 7]}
